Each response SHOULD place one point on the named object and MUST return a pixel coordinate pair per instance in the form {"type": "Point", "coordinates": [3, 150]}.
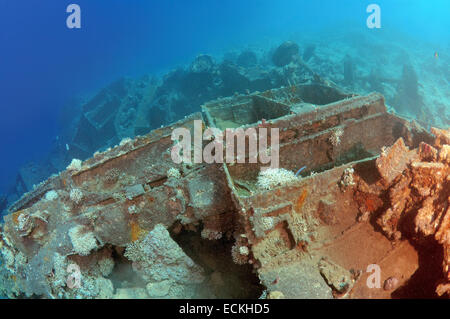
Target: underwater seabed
{"type": "Point", "coordinates": [129, 223]}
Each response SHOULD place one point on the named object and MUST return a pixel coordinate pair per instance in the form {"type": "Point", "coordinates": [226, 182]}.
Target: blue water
{"type": "Point", "coordinates": [43, 64]}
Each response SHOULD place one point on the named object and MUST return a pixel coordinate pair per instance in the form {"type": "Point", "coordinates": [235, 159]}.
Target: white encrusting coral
{"type": "Point", "coordinates": [75, 165]}
{"type": "Point", "coordinates": [347, 178]}
{"type": "Point", "coordinates": [106, 265]}
{"type": "Point", "coordinates": [83, 241]}
{"type": "Point", "coordinates": [125, 140]}
{"type": "Point", "coordinates": [76, 195]}
{"type": "Point", "coordinates": [132, 210]}
{"type": "Point", "coordinates": [267, 223]}
{"type": "Point", "coordinates": [173, 172]}
{"type": "Point", "coordinates": [273, 177]}
{"type": "Point", "coordinates": [8, 257]}
{"type": "Point", "coordinates": [335, 138]}
{"type": "Point", "coordinates": [211, 234]}
{"type": "Point", "coordinates": [243, 250]}
{"type": "Point", "coordinates": [51, 195]}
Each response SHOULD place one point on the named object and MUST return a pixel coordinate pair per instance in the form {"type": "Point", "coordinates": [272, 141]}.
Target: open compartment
{"type": "Point", "coordinates": [348, 141]}
{"type": "Point", "coordinates": [243, 110]}
{"type": "Point", "coordinates": [306, 94]}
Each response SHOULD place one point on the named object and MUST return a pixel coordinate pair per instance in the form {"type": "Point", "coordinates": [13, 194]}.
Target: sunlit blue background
{"type": "Point", "coordinates": [43, 64]}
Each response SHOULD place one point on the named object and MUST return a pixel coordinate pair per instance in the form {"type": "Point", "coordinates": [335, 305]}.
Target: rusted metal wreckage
{"type": "Point", "coordinates": [374, 196]}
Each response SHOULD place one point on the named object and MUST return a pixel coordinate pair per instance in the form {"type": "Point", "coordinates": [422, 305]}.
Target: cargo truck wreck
{"type": "Point", "coordinates": [372, 192]}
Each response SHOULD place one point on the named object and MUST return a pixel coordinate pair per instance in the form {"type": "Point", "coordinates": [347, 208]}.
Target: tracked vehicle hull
{"type": "Point", "coordinates": [374, 193]}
